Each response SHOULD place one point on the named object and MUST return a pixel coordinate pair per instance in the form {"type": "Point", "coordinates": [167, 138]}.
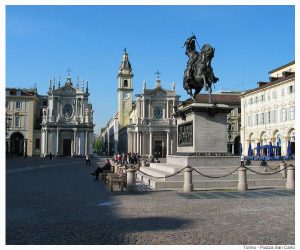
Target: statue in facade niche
{"type": "Point", "coordinates": [198, 73]}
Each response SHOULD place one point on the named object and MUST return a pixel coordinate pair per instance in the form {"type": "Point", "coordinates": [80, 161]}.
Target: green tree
{"type": "Point", "coordinates": [97, 145]}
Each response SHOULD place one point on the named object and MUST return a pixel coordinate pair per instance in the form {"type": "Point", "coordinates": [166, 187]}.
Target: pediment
{"type": "Point", "coordinates": [67, 90]}
{"type": "Point", "coordinates": [159, 92]}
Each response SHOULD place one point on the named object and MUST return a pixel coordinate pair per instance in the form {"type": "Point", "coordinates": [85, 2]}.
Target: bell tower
{"type": "Point", "coordinates": [125, 90]}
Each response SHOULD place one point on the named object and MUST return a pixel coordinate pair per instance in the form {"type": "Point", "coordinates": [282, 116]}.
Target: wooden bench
{"type": "Point", "coordinates": [119, 178]}
{"type": "Point", "coordinates": [105, 174]}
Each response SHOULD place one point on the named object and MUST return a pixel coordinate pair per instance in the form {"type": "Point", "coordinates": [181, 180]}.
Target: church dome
{"type": "Point", "coordinates": [125, 64]}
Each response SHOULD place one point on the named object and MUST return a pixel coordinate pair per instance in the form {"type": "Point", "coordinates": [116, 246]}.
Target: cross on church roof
{"type": "Point", "coordinates": [69, 71]}
{"type": "Point", "coordinates": [157, 73]}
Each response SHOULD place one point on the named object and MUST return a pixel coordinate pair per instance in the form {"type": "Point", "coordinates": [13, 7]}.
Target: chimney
{"type": "Point", "coordinates": [260, 84]}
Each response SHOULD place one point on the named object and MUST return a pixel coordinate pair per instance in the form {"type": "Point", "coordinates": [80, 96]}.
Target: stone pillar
{"type": "Point", "coordinates": [144, 108]}
{"type": "Point", "coordinates": [283, 169]}
{"type": "Point", "coordinates": [242, 182]}
{"type": "Point", "coordinates": [131, 180]}
{"type": "Point", "coordinates": [42, 143]}
{"type": "Point", "coordinates": [141, 144]}
{"type": "Point", "coordinates": [167, 110]}
{"type": "Point", "coordinates": [290, 180]}
{"type": "Point", "coordinates": [143, 163]}
{"type": "Point", "coordinates": [168, 142]}
{"type": "Point", "coordinates": [57, 142]}
{"type": "Point", "coordinates": [137, 142]}
{"type": "Point", "coordinates": [25, 147]}
{"type": "Point", "coordinates": [46, 142]}
{"type": "Point", "coordinates": [150, 144]}
{"type": "Point", "coordinates": [188, 184]}
{"type": "Point", "coordinates": [74, 142]}
{"type": "Point", "coordinates": [86, 143]}
{"type": "Point", "coordinates": [129, 142]}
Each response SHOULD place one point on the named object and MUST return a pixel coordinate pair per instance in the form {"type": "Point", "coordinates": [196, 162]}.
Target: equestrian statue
{"type": "Point", "coordinates": [198, 73]}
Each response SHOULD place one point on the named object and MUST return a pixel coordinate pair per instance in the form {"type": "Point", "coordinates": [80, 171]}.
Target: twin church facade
{"type": "Point", "coordinates": [144, 125]}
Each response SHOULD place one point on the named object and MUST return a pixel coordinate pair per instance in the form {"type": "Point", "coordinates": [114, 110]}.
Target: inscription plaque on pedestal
{"type": "Point", "coordinates": [185, 134]}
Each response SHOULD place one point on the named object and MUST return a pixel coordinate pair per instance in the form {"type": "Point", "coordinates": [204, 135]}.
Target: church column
{"type": "Point", "coordinates": [46, 142]}
{"type": "Point", "coordinates": [57, 142]}
{"type": "Point", "coordinates": [167, 111]}
{"type": "Point", "coordinates": [130, 141]}
{"type": "Point", "coordinates": [144, 107]}
{"type": "Point", "coordinates": [168, 142]}
{"type": "Point", "coordinates": [150, 143]}
{"type": "Point", "coordinates": [140, 150]}
{"type": "Point", "coordinates": [137, 142]}
{"type": "Point", "coordinates": [42, 143]}
{"type": "Point", "coordinates": [86, 141]}
{"type": "Point", "coordinates": [74, 142]}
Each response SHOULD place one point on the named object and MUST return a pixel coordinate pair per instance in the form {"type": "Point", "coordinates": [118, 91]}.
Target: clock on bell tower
{"type": "Point", "coordinates": [125, 90]}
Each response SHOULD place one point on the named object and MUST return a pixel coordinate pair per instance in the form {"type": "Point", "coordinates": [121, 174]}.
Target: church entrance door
{"type": "Point", "coordinates": [158, 149]}
{"type": "Point", "coordinates": [67, 147]}
{"type": "Point", "coordinates": [17, 144]}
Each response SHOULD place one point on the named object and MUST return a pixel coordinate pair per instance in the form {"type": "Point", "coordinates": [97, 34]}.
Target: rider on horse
{"type": "Point", "coordinates": [190, 51]}
{"type": "Point", "coordinates": [198, 73]}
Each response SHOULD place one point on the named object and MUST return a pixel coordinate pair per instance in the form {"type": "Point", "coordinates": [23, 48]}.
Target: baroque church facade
{"type": "Point", "coordinates": [144, 125]}
{"type": "Point", "coordinates": [67, 121]}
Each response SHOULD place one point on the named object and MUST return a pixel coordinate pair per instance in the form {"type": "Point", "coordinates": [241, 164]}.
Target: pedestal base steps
{"type": "Point", "coordinates": [157, 177]}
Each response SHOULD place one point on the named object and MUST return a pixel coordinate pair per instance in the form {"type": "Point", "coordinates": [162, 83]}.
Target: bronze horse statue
{"type": "Point", "coordinates": [199, 72]}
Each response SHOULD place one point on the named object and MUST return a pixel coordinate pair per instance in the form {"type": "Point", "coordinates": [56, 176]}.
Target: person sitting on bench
{"type": "Point", "coordinates": [99, 170]}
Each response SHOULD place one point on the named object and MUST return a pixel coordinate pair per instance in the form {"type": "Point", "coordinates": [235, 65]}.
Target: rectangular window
{"type": "Point", "coordinates": [274, 94]}
{"type": "Point", "coordinates": [269, 96]}
{"type": "Point", "coordinates": [274, 116]}
{"type": "Point", "coordinates": [262, 118]}
{"type": "Point", "coordinates": [37, 143]}
{"type": "Point", "coordinates": [269, 117]}
{"type": "Point", "coordinates": [256, 119]}
{"type": "Point", "coordinates": [262, 98]}
{"type": "Point", "coordinates": [284, 115]}
{"type": "Point", "coordinates": [17, 121]}
{"type": "Point", "coordinates": [282, 92]}
{"type": "Point", "coordinates": [292, 113]}
{"type": "Point", "coordinates": [249, 120]}
{"type": "Point", "coordinates": [291, 89]}
{"type": "Point", "coordinates": [18, 104]}
{"type": "Point", "coordinates": [256, 99]}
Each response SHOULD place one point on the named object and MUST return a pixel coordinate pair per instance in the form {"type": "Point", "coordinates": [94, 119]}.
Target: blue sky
{"type": "Point", "coordinates": [43, 41]}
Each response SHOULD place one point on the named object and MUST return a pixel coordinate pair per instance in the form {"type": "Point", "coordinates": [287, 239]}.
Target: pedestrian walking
{"type": "Point", "coordinates": [50, 156]}
{"type": "Point", "coordinates": [87, 160]}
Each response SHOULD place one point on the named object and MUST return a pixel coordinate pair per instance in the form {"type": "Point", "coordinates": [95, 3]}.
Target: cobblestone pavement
{"type": "Point", "coordinates": [59, 202]}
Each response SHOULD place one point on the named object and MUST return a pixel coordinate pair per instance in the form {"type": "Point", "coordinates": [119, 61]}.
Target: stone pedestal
{"type": "Point", "coordinates": [188, 183]}
{"type": "Point", "coordinates": [202, 136]}
{"type": "Point", "coordinates": [131, 180]}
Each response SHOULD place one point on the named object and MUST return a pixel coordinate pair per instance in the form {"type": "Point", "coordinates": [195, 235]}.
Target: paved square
{"type": "Point", "coordinates": [59, 202]}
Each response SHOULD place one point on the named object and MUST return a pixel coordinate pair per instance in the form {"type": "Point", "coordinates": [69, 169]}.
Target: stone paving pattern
{"type": "Point", "coordinates": [59, 202]}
